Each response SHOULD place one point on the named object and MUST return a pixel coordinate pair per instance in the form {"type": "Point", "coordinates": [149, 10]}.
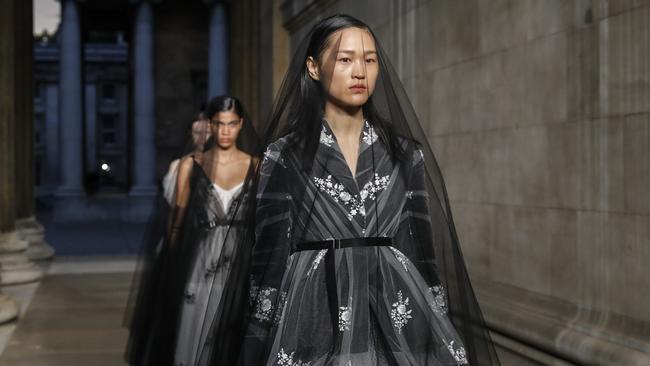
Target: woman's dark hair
{"type": "Point", "coordinates": [223, 103]}
{"type": "Point", "coordinates": [306, 111]}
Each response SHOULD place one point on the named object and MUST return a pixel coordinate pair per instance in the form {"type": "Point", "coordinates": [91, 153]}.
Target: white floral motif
{"type": "Point", "coordinates": [459, 353]}
{"type": "Point", "coordinates": [374, 186]}
{"type": "Point", "coordinates": [369, 137]}
{"type": "Point", "coordinates": [345, 316]}
{"type": "Point", "coordinates": [328, 186]}
{"type": "Point", "coordinates": [355, 203]}
{"type": "Point", "coordinates": [439, 303]}
{"type": "Point", "coordinates": [285, 359]}
{"type": "Point", "coordinates": [263, 304]}
{"type": "Point", "coordinates": [401, 258]}
{"type": "Point", "coordinates": [400, 313]}
{"type": "Point", "coordinates": [325, 138]}
{"type": "Point", "coordinates": [316, 262]}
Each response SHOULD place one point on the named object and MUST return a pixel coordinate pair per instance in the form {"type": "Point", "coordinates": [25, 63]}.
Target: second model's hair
{"type": "Point", "coordinates": [223, 103]}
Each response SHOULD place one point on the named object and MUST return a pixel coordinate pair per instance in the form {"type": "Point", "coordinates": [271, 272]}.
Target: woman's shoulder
{"type": "Point", "coordinates": [186, 162]}
{"type": "Point", "coordinates": [280, 144]}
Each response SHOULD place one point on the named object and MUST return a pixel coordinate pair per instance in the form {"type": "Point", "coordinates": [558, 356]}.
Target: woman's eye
{"type": "Point", "coordinates": [370, 60]}
{"type": "Point", "coordinates": [345, 59]}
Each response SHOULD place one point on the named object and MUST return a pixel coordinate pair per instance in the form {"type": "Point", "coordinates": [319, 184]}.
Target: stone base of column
{"type": "Point", "coordinates": [31, 231]}
{"type": "Point", "coordinates": [16, 268]}
{"type": "Point", "coordinates": [10, 242]}
{"type": "Point", "coordinates": [8, 309]}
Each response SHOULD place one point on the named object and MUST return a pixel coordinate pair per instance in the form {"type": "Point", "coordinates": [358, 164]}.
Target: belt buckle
{"type": "Point", "coordinates": [336, 243]}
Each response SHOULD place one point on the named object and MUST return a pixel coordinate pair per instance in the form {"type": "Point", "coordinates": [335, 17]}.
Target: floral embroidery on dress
{"type": "Point", "coordinates": [401, 258]}
{"type": "Point", "coordinates": [374, 186]}
{"type": "Point", "coordinates": [369, 136]}
{"type": "Point", "coordinates": [316, 261]}
{"type": "Point", "coordinates": [285, 359]}
{"type": "Point", "coordinates": [263, 304]}
{"type": "Point", "coordinates": [354, 203]}
{"type": "Point", "coordinates": [458, 352]}
{"type": "Point", "coordinates": [345, 316]}
{"type": "Point", "coordinates": [339, 194]}
{"type": "Point", "coordinates": [439, 303]}
{"type": "Point", "coordinates": [400, 313]}
{"type": "Point", "coordinates": [325, 138]}
{"type": "Point", "coordinates": [336, 190]}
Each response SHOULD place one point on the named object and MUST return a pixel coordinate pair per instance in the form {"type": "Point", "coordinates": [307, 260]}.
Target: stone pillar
{"type": "Point", "coordinates": [8, 24]}
{"type": "Point", "coordinates": [218, 50]}
{"type": "Point", "coordinates": [71, 101]}
{"type": "Point", "coordinates": [144, 167]}
{"type": "Point", "coordinates": [28, 228]}
{"type": "Point", "coordinates": [15, 267]}
{"type": "Point", "coordinates": [52, 171]}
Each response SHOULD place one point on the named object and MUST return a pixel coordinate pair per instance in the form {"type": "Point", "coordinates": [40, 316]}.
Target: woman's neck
{"type": "Point", "coordinates": [344, 122]}
{"type": "Point", "coordinates": [227, 155]}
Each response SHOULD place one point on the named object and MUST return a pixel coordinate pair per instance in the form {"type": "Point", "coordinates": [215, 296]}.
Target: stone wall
{"type": "Point", "coordinates": [539, 114]}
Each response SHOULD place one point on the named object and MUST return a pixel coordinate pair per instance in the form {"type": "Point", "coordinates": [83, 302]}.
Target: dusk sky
{"type": "Point", "coordinates": [46, 15]}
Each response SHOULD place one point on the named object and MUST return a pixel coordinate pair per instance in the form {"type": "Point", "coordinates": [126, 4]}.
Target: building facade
{"type": "Point", "coordinates": [116, 89]}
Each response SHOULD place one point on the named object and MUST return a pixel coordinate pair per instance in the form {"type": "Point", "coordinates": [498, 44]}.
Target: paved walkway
{"type": "Point", "coordinates": [73, 317]}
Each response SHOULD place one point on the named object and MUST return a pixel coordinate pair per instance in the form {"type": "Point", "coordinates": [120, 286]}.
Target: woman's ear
{"type": "Point", "coordinates": [312, 68]}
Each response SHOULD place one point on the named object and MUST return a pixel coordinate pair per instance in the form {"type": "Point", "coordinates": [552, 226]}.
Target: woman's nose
{"type": "Point", "coordinates": [359, 71]}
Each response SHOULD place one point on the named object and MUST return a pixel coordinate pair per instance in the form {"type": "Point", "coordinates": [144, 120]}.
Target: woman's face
{"type": "Point", "coordinates": [225, 128]}
{"type": "Point", "coordinates": [200, 133]}
{"type": "Point", "coordinates": [348, 68]}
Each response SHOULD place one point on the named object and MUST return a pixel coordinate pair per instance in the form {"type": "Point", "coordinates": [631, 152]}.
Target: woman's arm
{"type": "Point", "coordinates": [182, 197]}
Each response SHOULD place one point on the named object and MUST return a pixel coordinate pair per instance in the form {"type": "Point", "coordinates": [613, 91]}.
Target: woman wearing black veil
{"type": "Point", "coordinates": [356, 258]}
{"type": "Point", "coordinates": [195, 248]}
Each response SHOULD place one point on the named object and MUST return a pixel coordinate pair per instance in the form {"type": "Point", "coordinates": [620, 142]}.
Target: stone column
{"type": "Point", "coordinates": [70, 195]}
{"type": "Point", "coordinates": [144, 167]}
{"type": "Point", "coordinates": [218, 50]}
{"type": "Point", "coordinates": [71, 101]}
{"type": "Point", "coordinates": [8, 24]}
{"type": "Point", "coordinates": [15, 267]}
{"type": "Point", "coordinates": [28, 228]}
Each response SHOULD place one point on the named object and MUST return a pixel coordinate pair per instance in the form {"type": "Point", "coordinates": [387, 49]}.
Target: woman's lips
{"type": "Point", "coordinates": [358, 88]}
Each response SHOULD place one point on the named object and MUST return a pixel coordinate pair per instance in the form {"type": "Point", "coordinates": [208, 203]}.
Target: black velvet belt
{"type": "Point", "coordinates": [330, 271]}
{"type": "Point", "coordinates": [209, 225]}
{"type": "Point", "coordinates": [344, 243]}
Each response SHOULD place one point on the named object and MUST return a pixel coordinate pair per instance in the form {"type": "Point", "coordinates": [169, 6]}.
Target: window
{"type": "Point", "coordinates": [108, 92]}
{"type": "Point", "coordinates": [108, 130]}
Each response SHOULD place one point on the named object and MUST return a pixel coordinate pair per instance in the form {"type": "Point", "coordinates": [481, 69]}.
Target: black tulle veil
{"type": "Point", "coordinates": [297, 117]}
